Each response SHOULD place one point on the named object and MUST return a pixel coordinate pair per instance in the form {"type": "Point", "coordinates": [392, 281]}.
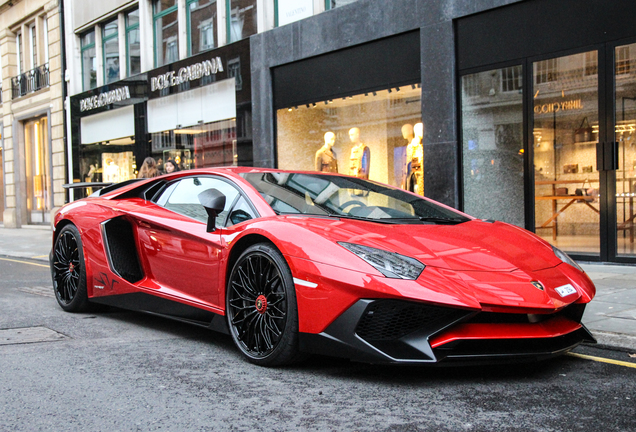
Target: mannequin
{"type": "Point", "coordinates": [415, 161]}
{"type": "Point", "coordinates": [360, 158]}
{"type": "Point", "coordinates": [408, 135]}
{"type": "Point", "coordinates": [326, 160]}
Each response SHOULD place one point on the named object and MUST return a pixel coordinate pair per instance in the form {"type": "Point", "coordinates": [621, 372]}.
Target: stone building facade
{"type": "Point", "coordinates": [33, 146]}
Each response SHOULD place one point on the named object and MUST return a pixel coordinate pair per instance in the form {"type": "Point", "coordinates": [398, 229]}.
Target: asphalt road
{"type": "Point", "coordinates": [122, 371]}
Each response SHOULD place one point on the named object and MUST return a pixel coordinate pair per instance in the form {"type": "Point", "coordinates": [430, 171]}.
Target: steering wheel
{"type": "Point", "coordinates": [355, 203]}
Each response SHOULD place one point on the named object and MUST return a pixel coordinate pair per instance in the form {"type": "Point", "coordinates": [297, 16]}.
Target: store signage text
{"type": "Point", "coordinates": [185, 74]}
{"type": "Point", "coordinates": [103, 99]}
{"type": "Point", "coordinates": [555, 107]}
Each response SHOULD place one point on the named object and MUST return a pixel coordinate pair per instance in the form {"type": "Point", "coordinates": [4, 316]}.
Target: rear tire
{"type": "Point", "coordinates": [261, 309]}
{"type": "Point", "coordinates": [68, 270]}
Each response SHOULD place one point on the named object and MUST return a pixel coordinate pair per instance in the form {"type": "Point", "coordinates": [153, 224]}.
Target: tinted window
{"type": "Point", "coordinates": [182, 197]}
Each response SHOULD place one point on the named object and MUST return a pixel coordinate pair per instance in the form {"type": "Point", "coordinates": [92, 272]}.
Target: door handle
{"type": "Point", "coordinates": [607, 156]}
{"type": "Point", "coordinates": [611, 156]}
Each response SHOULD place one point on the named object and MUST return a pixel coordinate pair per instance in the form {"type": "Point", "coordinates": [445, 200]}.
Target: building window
{"type": "Point", "coordinates": [546, 71]}
{"type": "Point", "coordinates": [202, 25]}
{"type": "Point", "coordinates": [591, 63]}
{"type": "Point", "coordinates": [110, 46]}
{"type": "Point", "coordinates": [375, 135]}
{"type": "Point", "coordinates": [34, 46]}
{"type": "Point", "coordinates": [18, 45]}
{"type": "Point", "coordinates": [166, 31]}
{"type": "Point", "coordinates": [289, 11]}
{"type": "Point", "coordinates": [622, 60]}
{"type": "Point", "coordinates": [241, 19]}
{"type": "Point", "coordinates": [511, 79]}
{"type": "Point", "coordinates": [331, 4]}
{"type": "Point", "coordinates": [133, 47]}
{"type": "Point", "coordinates": [89, 61]}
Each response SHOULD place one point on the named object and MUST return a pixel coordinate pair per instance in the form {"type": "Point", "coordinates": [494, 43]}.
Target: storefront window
{"type": "Point", "coordinates": [166, 31]}
{"type": "Point", "coordinates": [110, 43]}
{"type": "Point", "coordinates": [109, 161]}
{"type": "Point", "coordinates": [202, 26]}
{"type": "Point", "coordinates": [37, 170]}
{"type": "Point", "coordinates": [241, 19]}
{"type": "Point", "coordinates": [89, 61]}
{"type": "Point", "coordinates": [133, 47]}
{"type": "Point", "coordinates": [375, 135]}
{"type": "Point", "coordinates": [331, 4]}
{"type": "Point", "coordinates": [201, 146]}
{"type": "Point", "coordinates": [492, 145]}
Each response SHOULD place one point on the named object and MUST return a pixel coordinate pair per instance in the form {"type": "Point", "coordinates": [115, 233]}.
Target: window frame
{"type": "Point", "coordinates": [189, 27]}
{"type": "Point", "coordinates": [156, 16]}
{"type": "Point", "coordinates": [228, 21]}
{"type": "Point", "coordinates": [106, 39]}
{"type": "Point", "coordinates": [86, 48]}
{"type": "Point", "coordinates": [127, 30]}
{"type": "Point", "coordinates": [33, 46]}
{"type": "Point", "coordinates": [18, 44]}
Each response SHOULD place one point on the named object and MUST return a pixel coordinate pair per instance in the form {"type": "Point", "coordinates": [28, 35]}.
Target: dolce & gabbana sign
{"type": "Point", "coordinates": [187, 73]}
{"type": "Point", "coordinates": [104, 99]}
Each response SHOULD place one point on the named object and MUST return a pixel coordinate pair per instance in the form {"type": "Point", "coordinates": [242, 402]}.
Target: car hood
{"type": "Point", "coordinates": [475, 245]}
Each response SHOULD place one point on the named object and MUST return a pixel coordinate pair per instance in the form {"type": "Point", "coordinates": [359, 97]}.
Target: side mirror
{"type": "Point", "coordinates": [214, 202]}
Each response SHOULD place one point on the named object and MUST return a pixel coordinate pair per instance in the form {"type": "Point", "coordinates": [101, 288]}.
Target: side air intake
{"type": "Point", "coordinates": [121, 249]}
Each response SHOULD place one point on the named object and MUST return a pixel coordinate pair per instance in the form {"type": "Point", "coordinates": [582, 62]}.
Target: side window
{"type": "Point", "coordinates": [240, 212]}
{"type": "Point", "coordinates": [182, 197]}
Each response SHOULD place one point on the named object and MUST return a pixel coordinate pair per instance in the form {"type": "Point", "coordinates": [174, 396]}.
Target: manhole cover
{"type": "Point", "coordinates": [29, 335]}
{"type": "Point", "coordinates": [38, 290]}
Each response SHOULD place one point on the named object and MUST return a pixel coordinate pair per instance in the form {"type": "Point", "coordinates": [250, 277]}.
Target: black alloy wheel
{"type": "Point", "coordinates": [261, 307]}
{"type": "Point", "coordinates": [68, 270]}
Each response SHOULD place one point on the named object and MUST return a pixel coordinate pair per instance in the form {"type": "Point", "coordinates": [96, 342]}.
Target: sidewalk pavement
{"type": "Point", "coordinates": [611, 316]}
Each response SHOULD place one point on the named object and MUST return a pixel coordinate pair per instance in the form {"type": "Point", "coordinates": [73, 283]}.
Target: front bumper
{"type": "Point", "coordinates": [397, 331]}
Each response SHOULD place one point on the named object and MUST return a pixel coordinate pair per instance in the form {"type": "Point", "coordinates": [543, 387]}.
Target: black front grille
{"type": "Point", "coordinates": [392, 319]}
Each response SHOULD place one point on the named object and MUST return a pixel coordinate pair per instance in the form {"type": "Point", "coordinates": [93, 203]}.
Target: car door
{"type": "Point", "coordinates": [182, 259]}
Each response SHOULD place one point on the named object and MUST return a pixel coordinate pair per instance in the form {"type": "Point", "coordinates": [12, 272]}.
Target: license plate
{"type": "Point", "coordinates": [565, 290]}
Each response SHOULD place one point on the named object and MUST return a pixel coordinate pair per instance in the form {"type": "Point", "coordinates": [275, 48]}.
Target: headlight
{"type": "Point", "coordinates": [565, 258]}
{"type": "Point", "coordinates": [390, 264]}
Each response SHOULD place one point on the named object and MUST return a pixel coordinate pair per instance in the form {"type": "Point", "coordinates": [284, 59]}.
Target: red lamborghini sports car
{"type": "Point", "coordinates": [290, 263]}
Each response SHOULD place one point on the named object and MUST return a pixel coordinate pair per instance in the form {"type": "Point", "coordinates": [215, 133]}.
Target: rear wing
{"type": "Point", "coordinates": [103, 188]}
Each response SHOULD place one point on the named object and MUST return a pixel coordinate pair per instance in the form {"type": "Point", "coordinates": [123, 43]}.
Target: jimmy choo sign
{"type": "Point", "coordinates": [185, 74]}
{"type": "Point", "coordinates": [104, 99]}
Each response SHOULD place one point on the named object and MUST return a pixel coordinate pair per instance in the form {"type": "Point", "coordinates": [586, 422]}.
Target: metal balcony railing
{"type": "Point", "coordinates": [30, 81]}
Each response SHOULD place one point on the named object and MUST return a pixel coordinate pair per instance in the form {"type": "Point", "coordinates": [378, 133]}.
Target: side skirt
{"type": "Point", "coordinates": [142, 302]}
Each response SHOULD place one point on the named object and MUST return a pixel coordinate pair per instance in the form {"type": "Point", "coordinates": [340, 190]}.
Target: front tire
{"type": "Point", "coordinates": [261, 307]}
{"type": "Point", "coordinates": [68, 270]}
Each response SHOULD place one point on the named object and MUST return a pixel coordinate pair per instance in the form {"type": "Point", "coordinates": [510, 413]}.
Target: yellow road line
{"type": "Point", "coordinates": [24, 262]}
{"type": "Point", "coordinates": [604, 360]}
{"type": "Point", "coordinates": [41, 256]}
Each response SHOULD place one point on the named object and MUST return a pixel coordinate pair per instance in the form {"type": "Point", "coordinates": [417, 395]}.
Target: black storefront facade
{"type": "Point", "coordinates": [521, 111]}
{"type": "Point", "coordinates": [196, 112]}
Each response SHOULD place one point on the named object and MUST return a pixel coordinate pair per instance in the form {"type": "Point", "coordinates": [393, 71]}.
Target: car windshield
{"type": "Point", "coordinates": [331, 195]}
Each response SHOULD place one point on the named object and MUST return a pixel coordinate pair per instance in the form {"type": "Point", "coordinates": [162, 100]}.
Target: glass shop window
{"type": "Point", "coordinates": [492, 145]}
{"type": "Point", "coordinates": [201, 146]}
{"type": "Point", "coordinates": [202, 25]}
{"type": "Point", "coordinates": [241, 16]}
{"type": "Point", "coordinates": [375, 135]}
{"type": "Point", "coordinates": [108, 161]}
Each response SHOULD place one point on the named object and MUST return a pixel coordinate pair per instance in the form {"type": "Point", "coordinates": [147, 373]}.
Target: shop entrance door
{"type": "Point", "coordinates": [622, 245]}
{"type": "Point", "coordinates": [565, 130]}
{"type": "Point", "coordinates": [583, 152]}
